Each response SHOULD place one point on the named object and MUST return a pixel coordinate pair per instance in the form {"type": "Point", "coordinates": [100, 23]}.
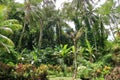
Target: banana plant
{"type": "Point", "coordinates": [65, 50]}
{"type": "Point", "coordinates": [90, 50]}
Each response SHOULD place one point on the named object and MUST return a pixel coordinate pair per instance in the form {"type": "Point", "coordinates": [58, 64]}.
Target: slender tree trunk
{"type": "Point", "coordinates": [40, 34]}
{"type": "Point", "coordinates": [26, 18]}
{"type": "Point", "coordinates": [75, 60]}
{"type": "Point", "coordinates": [21, 36]}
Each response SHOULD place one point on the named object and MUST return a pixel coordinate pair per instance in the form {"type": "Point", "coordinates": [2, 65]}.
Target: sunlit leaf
{"type": "Point", "coordinates": [6, 40]}
{"type": "Point", "coordinates": [3, 12]}
{"type": "Point", "coordinates": [5, 31]}
{"type": "Point", "coordinates": [4, 48]}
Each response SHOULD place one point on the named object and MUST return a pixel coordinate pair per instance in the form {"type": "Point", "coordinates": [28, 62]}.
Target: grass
{"type": "Point", "coordinates": [62, 78]}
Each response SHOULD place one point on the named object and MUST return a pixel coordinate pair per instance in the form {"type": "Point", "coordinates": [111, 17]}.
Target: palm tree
{"type": "Point", "coordinates": [83, 14]}
{"type": "Point", "coordinates": [6, 28]}
{"type": "Point", "coordinates": [34, 16]}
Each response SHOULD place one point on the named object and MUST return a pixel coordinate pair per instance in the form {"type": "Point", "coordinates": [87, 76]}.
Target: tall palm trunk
{"type": "Point", "coordinates": [26, 18]}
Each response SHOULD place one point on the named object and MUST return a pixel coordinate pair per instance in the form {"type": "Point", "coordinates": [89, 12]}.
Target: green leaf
{"type": "Point", "coordinates": [106, 7]}
{"type": "Point", "coordinates": [89, 48]}
{"type": "Point", "coordinates": [117, 9]}
{"type": "Point", "coordinates": [6, 40]}
{"type": "Point", "coordinates": [5, 31]}
{"type": "Point", "coordinates": [65, 50]}
{"type": "Point", "coordinates": [13, 24]}
{"type": "Point", "coordinates": [14, 27]}
{"type": "Point", "coordinates": [79, 33]}
{"type": "Point", "coordinates": [3, 12]}
{"type": "Point", "coordinates": [4, 48]}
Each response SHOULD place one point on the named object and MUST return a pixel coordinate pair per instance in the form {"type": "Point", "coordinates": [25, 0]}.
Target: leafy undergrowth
{"type": "Point", "coordinates": [62, 78]}
{"type": "Point", "coordinates": [114, 75]}
{"type": "Point", "coordinates": [23, 72]}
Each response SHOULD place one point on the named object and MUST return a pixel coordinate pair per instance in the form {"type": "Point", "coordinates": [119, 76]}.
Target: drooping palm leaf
{"type": "Point", "coordinates": [13, 24]}
{"type": "Point", "coordinates": [5, 43]}
{"type": "Point", "coordinates": [79, 33]}
{"type": "Point", "coordinates": [6, 40]}
{"type": "Point", "coordinates": [5, 31]}
{"type": "Point", "coordinates": [4, 47]}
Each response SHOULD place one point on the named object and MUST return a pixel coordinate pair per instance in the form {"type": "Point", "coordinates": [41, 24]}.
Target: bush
{"type": "Point", "coordinates": [23, 72]}
{"type": "Point", "coordinates": [5, 71]}
{"type": "Point", "coordinates": [114, 74]}
{"type": "Point", "coordinates": [88, 70]}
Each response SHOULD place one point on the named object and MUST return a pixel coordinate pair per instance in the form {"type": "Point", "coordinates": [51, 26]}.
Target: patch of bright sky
{"type": "Point", "coordinates": [20, 1]}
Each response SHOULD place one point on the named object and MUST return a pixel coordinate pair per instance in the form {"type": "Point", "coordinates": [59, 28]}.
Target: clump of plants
{"type": "Point", "coordinates": [59, 70]}
{"type": "Point", "coordinates": [93, 71]}
{"type": "Point", "coordinates": [30, 72]}
{"type": "Point", "coordinates": [115, 73]}
{"type": "Point", "coordinates": [116, 55]}
{"type": "Point", "coordinates": [5, 71]}
{"type": "Point", "coordinates": [23, 72]}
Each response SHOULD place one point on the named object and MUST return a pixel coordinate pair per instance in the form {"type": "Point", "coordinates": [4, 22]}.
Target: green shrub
{"type": "Point", "coordinates": [23, 72]}
{"type": "Point", "coordinates": [6, 71]}
{"type": "Point", "coordinates": [30, 72]}
{"type": "Point", "coordinates": [114, 74]}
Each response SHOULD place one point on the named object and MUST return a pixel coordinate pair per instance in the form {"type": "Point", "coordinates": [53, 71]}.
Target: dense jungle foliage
{"type": "Point", "coordinates": [78, 41]}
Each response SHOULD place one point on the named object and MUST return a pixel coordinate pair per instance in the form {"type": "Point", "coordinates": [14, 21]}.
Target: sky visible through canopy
{"type": "Point", "coordinates": [59, 4]}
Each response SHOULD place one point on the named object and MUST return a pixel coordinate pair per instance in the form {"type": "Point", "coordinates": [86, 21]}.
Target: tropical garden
{"type": "Point", "coordinates": [39, 42]}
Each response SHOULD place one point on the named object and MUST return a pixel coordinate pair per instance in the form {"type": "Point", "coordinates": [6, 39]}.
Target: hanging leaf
{"type": "Point", "coordinates": [79, 33]}
{"type": "Point", "coordinates": [6, 31]}
{"type": "Point", "coordinates": [4, 48]}
{"type": "Point", "coordinates": [6, 40]}
{"type": "Point", "coordinates": [13, 24]}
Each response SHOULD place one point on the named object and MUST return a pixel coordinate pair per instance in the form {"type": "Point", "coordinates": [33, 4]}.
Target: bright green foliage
{"type": "Point", "coordinates": [106, 7]}
{"type": "Point", "coordinates": [65, 50]}
{"type": "Point", "coordinates": [5, 43]}
{"type": "Point", "coordinates": [6, 28]}
{"type": "Point", "coordinates": [5, 31]}
{"type": "Point", "coordinates": [46, 37]}
{"type": "Point", "coordinates": [13, 24]}
{"type": "Point", "coordinates": [90, 50]}
{"type": "Point", "coordinates": [3, 12]}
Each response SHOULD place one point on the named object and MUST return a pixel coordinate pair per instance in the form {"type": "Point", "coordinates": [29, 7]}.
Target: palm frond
{"type": "Point", "coordinates": [4, 47]}
{"type": "Point", "coordinates": [79, 33]}
{"type": "Point", "coordinates": [5, 31]}
{"type": "Point", "coordinates": [6, 40]}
